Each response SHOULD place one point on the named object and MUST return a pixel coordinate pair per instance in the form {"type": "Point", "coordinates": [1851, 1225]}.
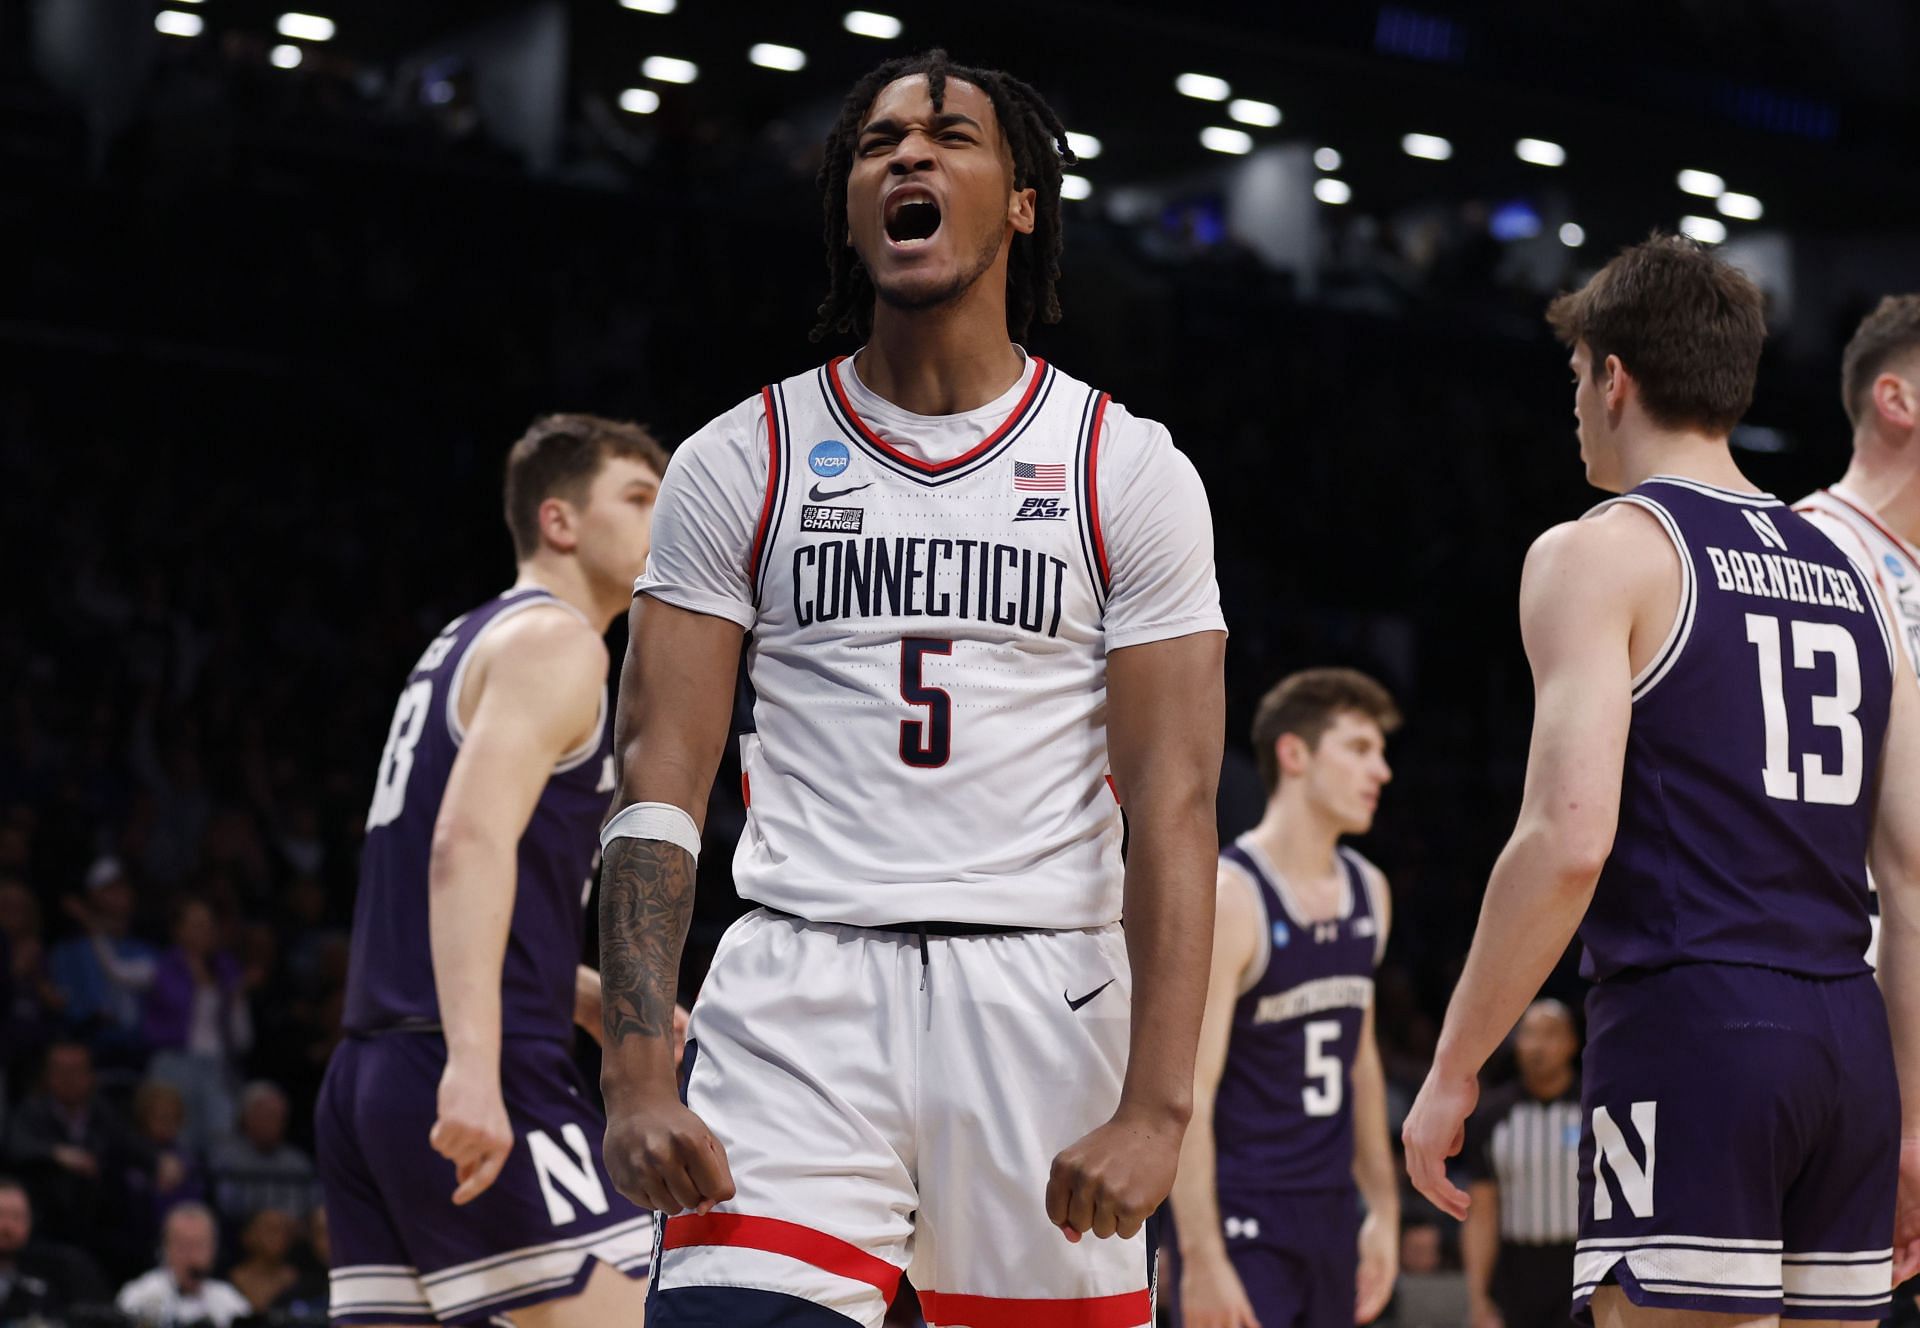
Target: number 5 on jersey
{"type": "Point", "coordinates": [924, 744]}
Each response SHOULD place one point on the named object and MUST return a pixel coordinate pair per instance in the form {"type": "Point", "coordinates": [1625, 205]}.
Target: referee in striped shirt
{"type": "Point", "coordinates": [1523, 1160]}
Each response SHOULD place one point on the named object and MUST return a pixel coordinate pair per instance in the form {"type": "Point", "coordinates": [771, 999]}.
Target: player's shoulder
{"type": "Point", "coordinates": [547, 635]}
{"type": "Point", "coordinates": [1615, 542]}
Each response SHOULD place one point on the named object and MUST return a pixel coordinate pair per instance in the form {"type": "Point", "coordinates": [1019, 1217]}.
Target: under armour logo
{"type": "Point", "coordinates": [1243, 1228]}
{"type": "Point", "coordinates": [1325, 931]}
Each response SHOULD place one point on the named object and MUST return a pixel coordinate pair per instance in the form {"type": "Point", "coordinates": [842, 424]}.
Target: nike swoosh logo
{"type": "Point", "coordinates": [820, 495]}
{"type": "Point", "coordinates": [1072, 1004]}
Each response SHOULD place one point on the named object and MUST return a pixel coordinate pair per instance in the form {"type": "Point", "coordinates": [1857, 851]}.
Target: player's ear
{"type": "Point", "coordinates": [1293, 752]}
{"type": "Point", "coordinates": [1614, 380]}
{"type": "Point", "coordinates": [1897, 400]}
{"type": "Point", "coordinates": [1020, 210]}
{"type": "Point", "coordinates": [559, 524]}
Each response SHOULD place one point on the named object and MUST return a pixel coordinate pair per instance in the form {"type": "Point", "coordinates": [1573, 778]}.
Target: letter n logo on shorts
{"type": "Point", "coordinates": [575, 1174]}
{"type": "Point", "coordinates": [1610, 1154]}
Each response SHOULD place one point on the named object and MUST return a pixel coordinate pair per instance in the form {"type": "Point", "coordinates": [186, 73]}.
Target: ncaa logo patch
{"type": "Point", "coordinates": [1893, 564]}
{"type": "Point", "coordinates": [1280, 933]}
{"type": "Point", "coordinates": [828, 459]}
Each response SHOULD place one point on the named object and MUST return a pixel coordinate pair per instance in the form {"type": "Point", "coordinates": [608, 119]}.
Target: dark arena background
{"type": "Point", "coordinates": [278, 290]}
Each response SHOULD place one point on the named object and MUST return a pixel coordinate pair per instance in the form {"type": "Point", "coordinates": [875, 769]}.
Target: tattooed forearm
{"type": "Point", "coordinates": [646, 905]}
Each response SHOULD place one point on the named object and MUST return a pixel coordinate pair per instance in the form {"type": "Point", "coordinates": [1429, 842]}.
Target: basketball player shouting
{"type": "Point", "coordinates": [1721, 742]}
{"type": "Point", "coordinates": [983, 614]}
{"type": "Point", "coordinates": [456, 1148]}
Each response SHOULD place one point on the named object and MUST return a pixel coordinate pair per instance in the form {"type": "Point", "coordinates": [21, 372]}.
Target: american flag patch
{"type": "Point", "coordinates": [1048, 478]}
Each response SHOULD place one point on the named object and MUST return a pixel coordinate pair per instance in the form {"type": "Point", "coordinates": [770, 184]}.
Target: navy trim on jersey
{"type": "Point", "coordinates": [1010, 430]}
{"type": "Point", "coordinates": [777, 484]}
{"type": "Point", "coordinates": [1082, 468]}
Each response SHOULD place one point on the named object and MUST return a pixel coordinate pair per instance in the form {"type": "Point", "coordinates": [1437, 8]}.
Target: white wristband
{"type": "Point", "coordinates": [654, 820]}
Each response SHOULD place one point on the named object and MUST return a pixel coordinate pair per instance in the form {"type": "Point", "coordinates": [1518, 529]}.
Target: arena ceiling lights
{"type": "Point", "coordinates": [1233, 142]}
{"type": "Point", "coordinates": [1741, 207]}
{"type": "Point", "coordinates": [1075, 187]}
{"type": "Point", "coordinates": [285, 57]}
{"type": "Point", "coordinates": [174, 23]}
{"type": "Point", "coordinates": [1085, 147]}
{"type": "Point", "coordinates": [1329, 190]}
{"type": "Point", "coordinates": [651, 6]}
{"type": "Point", "coordinates": [306, 27]}
{"type": "Point", "coordinates": [866, 23]}
{"type": "Point", "coordinates": [772, 55]}
{"type": "Point", "coordinates": [1203, 87]}
{"type": "Point", "coordinates": [1539, 152]}
{"type": "Point", "coordinates": [1704, 229]}
{"type": "Point", "coordinates": [640, 101]}
{"type": "Point", "coordinates": [1701, 184]}
{"type": "Point", "coordinates": [669, 69]}
{"type": "Point", "coordinates": [1260, 114]}
{"type": "Point", "coordinates": [1427, 147]}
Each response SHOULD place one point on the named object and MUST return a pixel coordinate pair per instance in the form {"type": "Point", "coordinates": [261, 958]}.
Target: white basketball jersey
{"type": "Point", "coordinates": [928, 644]}
{"type": "Point", "coordinates": [1891, 561]}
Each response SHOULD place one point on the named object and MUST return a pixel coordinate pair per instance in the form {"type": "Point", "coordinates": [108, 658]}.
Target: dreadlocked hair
{"type": "Point", "coordinates": [1039, 146]}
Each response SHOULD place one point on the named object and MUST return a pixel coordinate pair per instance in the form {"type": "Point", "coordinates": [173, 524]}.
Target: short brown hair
{"type": "Point", "coordinates": [1687, 325]}
{"type": "Point", "coordinates": [1892, 328]}
{"type": "Point", "coordinates": [1307, 703]}
{"type": "Point", "coordinates": [558, 457]}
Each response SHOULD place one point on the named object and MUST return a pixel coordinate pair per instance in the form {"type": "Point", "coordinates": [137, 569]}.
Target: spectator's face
{"type": "Point", "coordinates": [16, 1222]}
{"type": "Point", "coordinates": [269, 1236]}
{"type": "Point", "coordinates": [194, 931]}
{"type": "Point", "coordinates": [162, 1116]}
{"type": "Point", "coordinates": [1545, 1044]}
{"type": "Point", "coordinates": [189, 1246]}
{"type": "Point", "coordinates": [70, 1076]}
{"type": "Point", "coordinates": [264, 1121]}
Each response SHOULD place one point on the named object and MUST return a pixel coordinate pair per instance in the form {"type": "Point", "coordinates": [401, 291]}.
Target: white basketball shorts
{"type": "Point", "coordinates": [889, 1108]}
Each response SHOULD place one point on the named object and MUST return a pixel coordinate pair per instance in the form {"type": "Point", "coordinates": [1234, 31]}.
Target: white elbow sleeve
{"type": "Point", "coordinates": [654, 820]}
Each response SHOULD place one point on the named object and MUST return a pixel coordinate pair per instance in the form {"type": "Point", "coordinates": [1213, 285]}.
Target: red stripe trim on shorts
{"type": "Point", "coordinates": [825, 1252]}
{"type": "Point", "coordinates": [1129, 1310]}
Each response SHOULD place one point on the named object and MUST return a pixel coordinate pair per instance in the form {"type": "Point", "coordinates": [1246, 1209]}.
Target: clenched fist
{"type": "Point", "coordinates": [663, 1157]}
{"type": "Point", "coordinates": [1109, 1182]}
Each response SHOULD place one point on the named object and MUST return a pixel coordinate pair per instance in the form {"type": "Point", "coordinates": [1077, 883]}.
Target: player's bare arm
{"type": "Point", "coordinates": [1894, 856]}
{"type": "Point", "coordinates": [1166, 714]}
{"type": "Point", "coordinates": [1211, 1295]}
{"type": "Point", "coordinates": [676, 697]}
{"type": "Point", "coordinates": [534, 689]}
{"type": "Point", "coordinates": [1374, 1171]}
{"type": "Point", "coordinates": [1593, 594]}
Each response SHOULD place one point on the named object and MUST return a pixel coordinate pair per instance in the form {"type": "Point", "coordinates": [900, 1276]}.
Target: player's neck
{"type": "Point", "coordinates": [1887, 480]}
{"type": "Point", "coordinates": [1684, 453]}
{"type": "Point", "coordinates": [566, 582]}
{"type": "Point", "coordinates": [1298, 840]}
{"type": "Point", "coordinates": [940, 361]}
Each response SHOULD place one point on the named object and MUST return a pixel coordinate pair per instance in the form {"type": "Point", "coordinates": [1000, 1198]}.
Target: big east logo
{"type": "Point", "coordinates": [1040, 509]}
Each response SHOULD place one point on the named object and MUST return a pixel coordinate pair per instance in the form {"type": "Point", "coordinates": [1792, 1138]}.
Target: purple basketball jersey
{"type": "Point", "coordinates": [1283, 1117]}
{"type": "Point", "coordinates": [1748, 791]}
{"type": "Point", "coordinates": [390, 977]}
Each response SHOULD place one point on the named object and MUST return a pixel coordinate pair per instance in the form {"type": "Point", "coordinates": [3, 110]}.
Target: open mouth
{"type": "Point", "coordinates": [912, 221]}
